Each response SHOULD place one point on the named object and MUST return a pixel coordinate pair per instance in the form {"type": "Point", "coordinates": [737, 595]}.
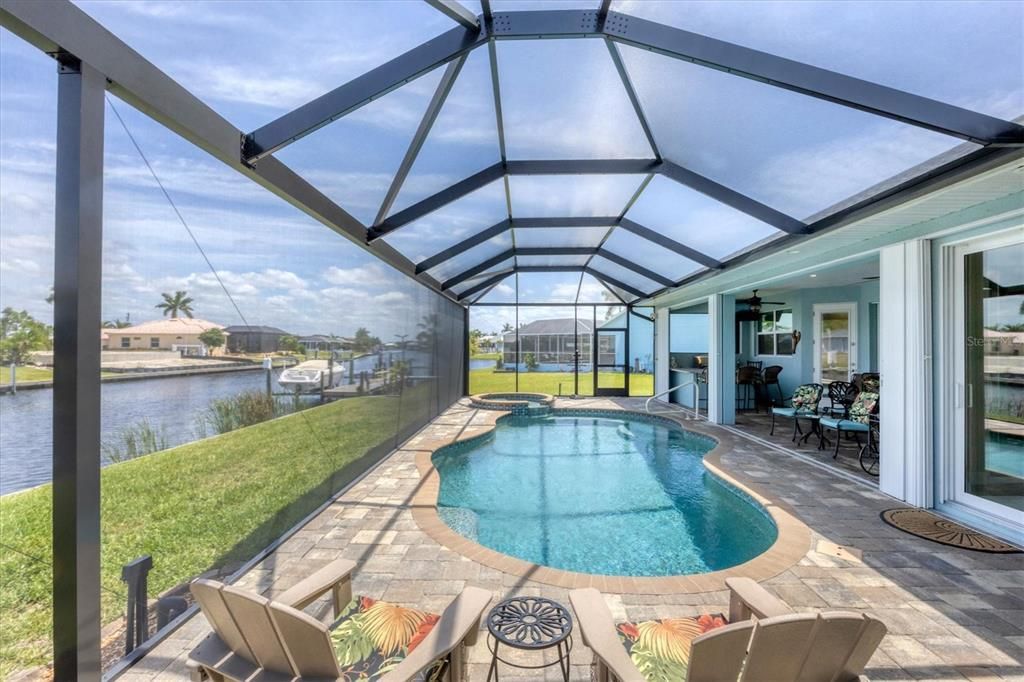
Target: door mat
{"type": "Point", "coordinates": [926, 525]}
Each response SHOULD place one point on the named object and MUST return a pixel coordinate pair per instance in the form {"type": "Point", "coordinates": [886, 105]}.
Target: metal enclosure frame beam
{"type": "Point", "coordinates": [444, 88]}
{"type": "Point", "coordinates": [638, 269]}
{"type": "Point", "coordinates": [813, 81]}
{"type": "Point", "coordinates": [477, 269]}
{"type": "Point", "coordinates": [735, 59]}
{"type": "Point", "coordinates": [59, 26]}
{"type": "Point", "coordinates": [673, 171]}
{"type": "Point", "coordinates": [487, 283]}
{"type": "Point", "coordinates": [494, 230]}
{"type": "Point", "coordinates": [606, 280]}
{"type": "Point", "coordinates": [627, 83]}
{"type": "Point", "coordinates": [456, 12]}
{"type": "Point", "coordinates": [359, 91]}
{"type": "Point", "coordinates": [597, 274]}
{"type": "Point", "coordinates": [575, 222]}
{"type": "Point", "coordinates": [78, 266]}
{"type": "Point", "coordinates": [436, 201]}
{"type": "Point", "coordinates": [731, 198]}
{"type": "Point", "coordinates": [670, 244]}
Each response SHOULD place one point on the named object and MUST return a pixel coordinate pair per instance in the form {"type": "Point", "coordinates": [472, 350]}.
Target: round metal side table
{"type": "Point", "coordinates": [529, 624]}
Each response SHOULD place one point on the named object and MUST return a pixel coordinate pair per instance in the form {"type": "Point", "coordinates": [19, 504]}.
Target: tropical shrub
{"type": "Point", "coordinates": [530, 360]}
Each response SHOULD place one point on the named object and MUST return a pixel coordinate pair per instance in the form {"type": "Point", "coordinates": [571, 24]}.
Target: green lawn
{"type": "Point", "coordinates": [489, 381]}
{"type": "Point", "coordinates": [24, 373]}
{"type": "Point", "coordinates": [210, 503]}
{"type": "Point", "coordinates": [485, 356]}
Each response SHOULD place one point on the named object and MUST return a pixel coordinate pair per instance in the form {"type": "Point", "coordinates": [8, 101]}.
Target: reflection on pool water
{"type": "Point", "coordinates": [611, 495]}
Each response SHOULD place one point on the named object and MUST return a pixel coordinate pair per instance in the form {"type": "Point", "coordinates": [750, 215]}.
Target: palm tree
{"type": "Point", "coordinates": [116, 324]}
{"type": "Point", "coordinates": [181, 302]}
{"type": "Point", "coordinates": [506, 329]}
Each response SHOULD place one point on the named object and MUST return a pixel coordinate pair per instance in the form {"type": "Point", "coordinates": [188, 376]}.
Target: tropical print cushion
{"type": "Point", "coordinates": [806, 398]}
{"type": "Point", "coordinates": [371, 637]}
{"type": "Point", "coordinates": [863, 406]}
{"type": "Point", "coordinates": [660, 649]}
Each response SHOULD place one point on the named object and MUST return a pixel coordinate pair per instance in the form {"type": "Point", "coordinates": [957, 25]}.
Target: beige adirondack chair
{"type": "Point", "coordinates": [274, 640]}
{"type": "Point", "coordinates": [765, 640]}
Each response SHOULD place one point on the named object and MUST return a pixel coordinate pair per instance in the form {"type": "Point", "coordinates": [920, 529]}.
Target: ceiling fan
{"type": "Point", "coordinates": [754, 304]}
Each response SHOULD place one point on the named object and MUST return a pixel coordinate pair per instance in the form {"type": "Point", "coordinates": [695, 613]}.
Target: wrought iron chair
{"type": "Point", "coordinates": [803, 405]}
{"type": "Point", "coordinates": [869, 456]}
{"type": "Point", "coordinates": [858, 422]}
{"type": "Point", "coordinates": [841, 395]}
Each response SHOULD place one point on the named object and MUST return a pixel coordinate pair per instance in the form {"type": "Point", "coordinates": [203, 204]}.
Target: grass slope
{"type": "Point", "coordinates": [211, 503]}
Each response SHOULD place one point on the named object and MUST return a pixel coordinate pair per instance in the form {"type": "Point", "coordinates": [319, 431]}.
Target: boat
{"type": "Point", "coordinates": [310, 376]}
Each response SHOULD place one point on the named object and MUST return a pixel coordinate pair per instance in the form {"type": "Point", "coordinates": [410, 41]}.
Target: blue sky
{"type": "Point", "coordinates": [253, 61]}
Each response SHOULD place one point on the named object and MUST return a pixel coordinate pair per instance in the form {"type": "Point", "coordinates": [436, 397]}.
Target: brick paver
{"type": "Point", "coordinates": [951, 614]}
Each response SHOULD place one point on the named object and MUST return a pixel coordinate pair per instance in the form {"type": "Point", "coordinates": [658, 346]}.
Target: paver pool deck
{"type": "Point", "coordinates": [952, 614]}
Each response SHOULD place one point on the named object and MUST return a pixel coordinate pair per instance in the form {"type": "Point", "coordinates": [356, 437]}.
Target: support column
{"type": "Point", "coordinates": [722, 359]}
{"type": "Point", "coordinates": [661, 352]}
{"type": "Point", "coordinates": [905, 363]}
{"type": "Point", "coordinates": [76, 376]}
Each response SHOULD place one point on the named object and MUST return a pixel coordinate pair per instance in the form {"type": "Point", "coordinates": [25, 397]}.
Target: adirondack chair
{"type": "Point", "coordinates": [765, 640]}
{"type": "Point", "coordinates": [274, 640]}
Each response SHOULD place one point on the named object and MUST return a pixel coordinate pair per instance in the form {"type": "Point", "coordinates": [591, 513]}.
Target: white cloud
{"type": "Point", "coordinates": [391, 297]}
{"type": "Point", "coordinates": [363, 275]}
{"type": "Point", "coordinates": [21, 265]}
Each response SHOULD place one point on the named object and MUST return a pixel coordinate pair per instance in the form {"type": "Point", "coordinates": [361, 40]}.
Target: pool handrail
{"type": "Point", "coordinates": [696, 397]}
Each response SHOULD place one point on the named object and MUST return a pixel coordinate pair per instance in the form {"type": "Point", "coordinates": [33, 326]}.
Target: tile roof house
{"type": "Point", "coordinates": [174, 334]}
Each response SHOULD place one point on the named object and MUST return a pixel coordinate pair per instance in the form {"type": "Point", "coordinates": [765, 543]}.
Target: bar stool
{"type": "Point", "coordinates": [769, 378]}
{"type": "Point", "coordinates": [747, 380]}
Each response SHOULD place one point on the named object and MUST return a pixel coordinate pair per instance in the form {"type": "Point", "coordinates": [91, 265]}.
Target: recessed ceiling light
{"type": "Point", "coordinates": [793, 251]}
{"type": "Point", "coordinates": [813, 275]}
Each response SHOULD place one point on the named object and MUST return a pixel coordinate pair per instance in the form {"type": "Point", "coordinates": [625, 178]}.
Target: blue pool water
{"type": "Point", "coordinates": [605, 495]}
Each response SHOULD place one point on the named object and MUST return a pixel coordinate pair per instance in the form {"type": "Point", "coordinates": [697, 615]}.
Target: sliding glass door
{"type": "Point", "coordinates": [988, 464]}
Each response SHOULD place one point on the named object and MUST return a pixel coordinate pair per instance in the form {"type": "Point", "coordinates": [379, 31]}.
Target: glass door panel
{"type": "Point", "coordinates": [835, 333]}
{"type": "Point", "coordinates": [993, 309]}
{"type": "Point", "coordinates": [611, 349]}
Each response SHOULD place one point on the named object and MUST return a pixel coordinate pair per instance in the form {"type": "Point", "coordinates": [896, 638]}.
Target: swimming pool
{"type": "Point", "coordinates": [608, 494]}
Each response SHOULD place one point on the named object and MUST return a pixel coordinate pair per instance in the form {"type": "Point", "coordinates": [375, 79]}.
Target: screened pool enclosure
{"type": "Point", "coordinates": [537, 173]}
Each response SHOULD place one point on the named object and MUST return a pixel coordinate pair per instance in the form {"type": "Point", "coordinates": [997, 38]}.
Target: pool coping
{"type": "Point", "coordinates": [791, 544]}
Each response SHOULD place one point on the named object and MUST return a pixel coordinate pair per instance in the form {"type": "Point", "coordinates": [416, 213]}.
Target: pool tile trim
{"type": "Point", "coordinates": [792, 542]}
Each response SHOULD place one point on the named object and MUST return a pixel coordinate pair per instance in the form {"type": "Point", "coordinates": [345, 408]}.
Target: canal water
{"type": "Point", "coordinates": [173, 406]}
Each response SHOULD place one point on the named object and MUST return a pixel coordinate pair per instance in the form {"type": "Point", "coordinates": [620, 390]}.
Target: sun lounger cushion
{"type": "Point", "coordinates": [843, 424]}
{"type": "Point", "coordinates": [660, 649]}
{"type": "Point", "coordinates": [371, 637]}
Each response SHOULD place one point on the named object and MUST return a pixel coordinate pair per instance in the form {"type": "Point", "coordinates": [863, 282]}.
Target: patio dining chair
{"type": "Point", "coordinates": [258, 638]}
{"type": "Point", "coordinates": [858, 421]}
{"type": "Point", "coordinates": [841, 395]}
{"type": "Point", "coordinates": [764, 640]}
{"type": "Point", "coordinates": [769, 378]}
{"type": "Point", "coordinates": [803, 405]}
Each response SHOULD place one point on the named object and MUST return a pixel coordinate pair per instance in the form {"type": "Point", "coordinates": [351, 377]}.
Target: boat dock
{"type": "Point", "coordinates": [367, 384]}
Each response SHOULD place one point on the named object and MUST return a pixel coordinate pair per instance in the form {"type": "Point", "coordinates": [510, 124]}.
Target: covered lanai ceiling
{"type": "Point", "coordinates": [641, 154]}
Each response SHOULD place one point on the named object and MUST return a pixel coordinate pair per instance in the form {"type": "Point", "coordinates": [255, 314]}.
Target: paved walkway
{"type": "Point", "coordinates": [951, 614]}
